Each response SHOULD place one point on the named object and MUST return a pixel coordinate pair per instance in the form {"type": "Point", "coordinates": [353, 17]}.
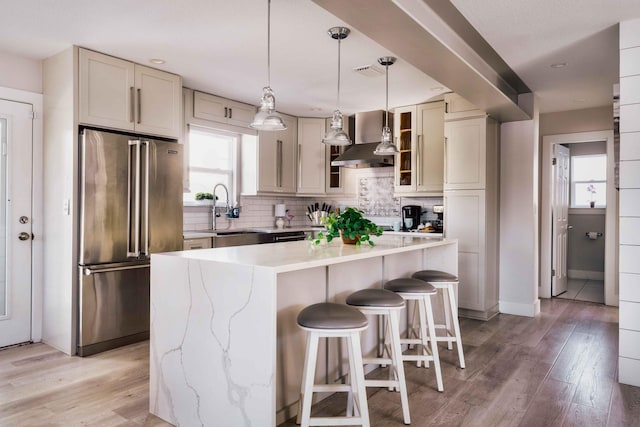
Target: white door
{"type": "Point", "coordinates": [15, 222]}
{"type": "Point", "coordinates": [560, 218]}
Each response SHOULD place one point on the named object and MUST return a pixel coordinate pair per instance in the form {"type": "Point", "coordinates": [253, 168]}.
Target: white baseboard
{"type": "Point", "coordinates": [519, 309]}
{"type": "Point", "coordinates": [585, 274]}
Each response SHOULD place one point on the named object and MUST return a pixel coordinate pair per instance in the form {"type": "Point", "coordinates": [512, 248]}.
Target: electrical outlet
{"type": "Point", "coordinates": [66, 207]}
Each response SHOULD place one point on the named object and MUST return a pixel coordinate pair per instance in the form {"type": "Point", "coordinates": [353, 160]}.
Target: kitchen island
{"type": "Point", "coordinates": [225, 348]}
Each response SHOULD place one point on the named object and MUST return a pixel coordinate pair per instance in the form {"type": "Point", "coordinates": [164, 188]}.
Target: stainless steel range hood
{"type": "Point", "coordinates": [367, 129]}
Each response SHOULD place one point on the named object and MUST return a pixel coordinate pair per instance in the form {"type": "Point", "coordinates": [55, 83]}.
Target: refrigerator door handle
{"type": "Point", "coordinates": [145, 199]}
{"type": "Point", "coordinates": [133, 209]}
{"type": "Point", "coordinates": [88, 271]}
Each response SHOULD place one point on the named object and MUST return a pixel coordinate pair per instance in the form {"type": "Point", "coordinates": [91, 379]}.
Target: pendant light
{"type": "Point", "coordinates": [386, 146]}
{"type": "Point", "coordinates": [266, 118]}
{"type": "Point", "coordinates": [335, 135]}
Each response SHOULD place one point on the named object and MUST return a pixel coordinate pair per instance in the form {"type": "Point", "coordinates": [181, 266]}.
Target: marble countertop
{"type": "Point", "coordinates": [298, 255]}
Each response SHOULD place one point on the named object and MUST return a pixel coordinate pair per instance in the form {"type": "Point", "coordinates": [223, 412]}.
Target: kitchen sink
{"type": "Point", "coordinates": [239, 238]}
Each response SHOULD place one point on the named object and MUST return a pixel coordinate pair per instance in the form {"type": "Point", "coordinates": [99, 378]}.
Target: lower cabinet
{"type": "Point", "coordinates": [198, 243]}
{"type": "Point", "coordinates": [471, 218]}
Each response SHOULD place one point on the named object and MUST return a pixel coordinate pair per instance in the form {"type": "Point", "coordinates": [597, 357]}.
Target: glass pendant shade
{"type": "Point", "coordinates": [266, 118]}
{"type": "Point", "coordinates": [386, 146]}
{"type": "Point", "coordinates": [335, 135]}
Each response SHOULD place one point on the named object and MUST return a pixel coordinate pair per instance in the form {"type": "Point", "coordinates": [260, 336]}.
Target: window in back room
{"type": "Point", "coordinates": [589, 181]}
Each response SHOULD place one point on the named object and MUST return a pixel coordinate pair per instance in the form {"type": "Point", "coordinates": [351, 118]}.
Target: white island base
{"type": "Point", "coordinates": [225, 349]}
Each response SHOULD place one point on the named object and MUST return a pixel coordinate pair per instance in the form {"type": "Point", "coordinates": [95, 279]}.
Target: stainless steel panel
{"type": "Point", "coordinates": [162, 211]}
{"type": "Point", "coordinates": [113, 303]}
{"type": "Point", "coordinates": [104, 192]}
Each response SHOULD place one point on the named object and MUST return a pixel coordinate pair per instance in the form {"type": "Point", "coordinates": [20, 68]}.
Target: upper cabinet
{"type": "Point", "coordinates": [467, 144]}
{"type": "Point", "coordinates": [269, 161]}
{"type": "Point", "coordinates": [419, 132]}
{"type": "Point", "coordinates": [222, 110]}
{"type": "Point", "coordinates": [456, 107]}
{"type": "Point", "coordinates": [311, 156]}
{"type": "Point", "coordinates": [338, 180]}
{"type": "Point", "coordinates": [122, 95]}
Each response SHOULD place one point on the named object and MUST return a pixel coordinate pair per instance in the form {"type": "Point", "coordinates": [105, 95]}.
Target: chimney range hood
{"type": "Point", "coordinates": [366, 129]}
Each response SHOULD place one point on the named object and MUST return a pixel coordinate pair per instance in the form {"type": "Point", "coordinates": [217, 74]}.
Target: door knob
{"type": "Point", "coordinates": [24, 236]}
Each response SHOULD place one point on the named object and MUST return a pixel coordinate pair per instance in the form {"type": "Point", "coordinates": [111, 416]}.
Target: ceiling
{"type": "Point", "coordinates": [220, 47]}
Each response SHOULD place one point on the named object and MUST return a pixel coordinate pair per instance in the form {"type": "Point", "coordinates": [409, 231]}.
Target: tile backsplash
{"type": "Point", "coordinates": [374, 195]}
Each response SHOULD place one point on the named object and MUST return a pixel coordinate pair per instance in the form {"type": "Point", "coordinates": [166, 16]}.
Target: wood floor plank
{"type": "Point", "coordinates": [558, 369]}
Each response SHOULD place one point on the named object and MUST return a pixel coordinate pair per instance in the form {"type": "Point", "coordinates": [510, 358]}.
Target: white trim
{"type": "Point", "coordinates": [519, 309]}
{"type": "Point", "coordinates": [585, 274]}
{"type": "Point", "coordinates": [610, 280]}
{"type": "Point", "coordinates": [34, 99]}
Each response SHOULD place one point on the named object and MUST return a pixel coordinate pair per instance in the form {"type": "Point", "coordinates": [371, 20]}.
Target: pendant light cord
{"type": "Point", "coordinates": [269, 43]}
{"type": "Point", "coordinates": [386, 105]}
{"type": "Point", "coordinates": [338, 96]}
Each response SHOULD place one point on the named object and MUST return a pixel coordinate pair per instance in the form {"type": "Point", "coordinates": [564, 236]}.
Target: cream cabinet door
{"type": "Point", "coordinates": [106, 86]}
{"type": "Point", "coordinates": [222, 110]}
{"type": "Point", "coordinates": [311, 156]}
{"type": "Point", "coordinates": [465, 154]}
{"type": "Point", "coordinates": [430, 148]}
{"type": "Point", "coordinates": [456, 107]}
{"type": "Point", "coordinates": [289, 142]}
{"type": "Point", "coordinates": [404, 133]}
{"type": "Point", "coordinates": [277, 159]}
{"type": "Point", "coordinates": [465, 220]}
{"type": "Point", "coordinates": [158, 102]}
{"type": "Point", "coordinates": [240, 114]}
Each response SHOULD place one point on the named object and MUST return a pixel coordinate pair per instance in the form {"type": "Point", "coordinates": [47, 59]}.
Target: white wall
{"type": "Point", "coordinates": [519, 217]}
{"type": "Point", "coordinates": [629, 353]}
{"type": "Point", "coordinates": [20, 73]}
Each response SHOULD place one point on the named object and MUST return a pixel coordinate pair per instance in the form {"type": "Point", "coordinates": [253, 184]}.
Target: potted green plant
{"type": "Point", "coordinates": [350, 225]}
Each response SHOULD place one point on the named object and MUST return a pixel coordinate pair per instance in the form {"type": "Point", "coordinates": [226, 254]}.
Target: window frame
{"type": "Point", "coordinates": [573, 182]}
{"type": "Point", "coordinates": [234, 172]}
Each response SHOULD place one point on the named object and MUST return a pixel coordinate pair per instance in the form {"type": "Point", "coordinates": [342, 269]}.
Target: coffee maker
{"type": "Point", "coordinates": [411, 217]}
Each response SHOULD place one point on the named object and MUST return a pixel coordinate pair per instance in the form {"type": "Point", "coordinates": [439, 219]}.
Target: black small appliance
{"type": "Point", "coordinates": [438, 224]}
{"type": "Point", "coordinates": [411, 217]}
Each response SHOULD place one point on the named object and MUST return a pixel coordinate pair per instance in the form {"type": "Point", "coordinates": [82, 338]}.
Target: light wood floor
{"type": "Point", "coordinates": [558, 369]}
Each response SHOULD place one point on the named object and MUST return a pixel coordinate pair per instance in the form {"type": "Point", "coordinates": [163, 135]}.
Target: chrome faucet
{"type": "Point", "coordinates": [213, 210]}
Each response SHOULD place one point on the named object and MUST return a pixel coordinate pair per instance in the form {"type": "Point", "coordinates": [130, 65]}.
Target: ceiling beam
{"type": "Point", "coordinates": [415, 33]}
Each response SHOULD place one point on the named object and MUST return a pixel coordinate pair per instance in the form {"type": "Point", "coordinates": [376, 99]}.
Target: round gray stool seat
{"type": "Point", "coordinates": [328, 315]}
{"type": "Point", "coordinates": [408, 285]}
{"type": "Point", "coordinates": [434, 276]}
{"type": "Point", "coordinates": [375, 298]}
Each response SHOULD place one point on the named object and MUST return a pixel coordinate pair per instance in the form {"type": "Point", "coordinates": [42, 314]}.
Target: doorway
{"type": "Point", "coordinates": [582, 281]}
{"type": "Point", "coordinates": [16, 218]}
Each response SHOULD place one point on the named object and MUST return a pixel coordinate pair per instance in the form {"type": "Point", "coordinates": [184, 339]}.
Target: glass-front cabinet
{"type": "Point", "coordinates": [405, 135]}
{"type": "Point", "coordinates": [419, 133]}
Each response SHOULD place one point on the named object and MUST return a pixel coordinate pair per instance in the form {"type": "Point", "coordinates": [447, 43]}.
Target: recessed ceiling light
{"type": "Point", "coordinates": [558, 65]}
{"type": "Point", "coordinates": [436, 88]}
{"type": "Point", "coordinates": [157, 61]}
{"type": "Point", "coordinates": [579, 100]}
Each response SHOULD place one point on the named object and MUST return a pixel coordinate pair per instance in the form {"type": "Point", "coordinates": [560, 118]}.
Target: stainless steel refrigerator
{"type": "Point", "coordinates": [130, 207]}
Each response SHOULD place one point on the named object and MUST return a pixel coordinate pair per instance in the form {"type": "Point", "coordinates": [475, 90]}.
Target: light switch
{"type": "Point", "coordinates": [66, 207]}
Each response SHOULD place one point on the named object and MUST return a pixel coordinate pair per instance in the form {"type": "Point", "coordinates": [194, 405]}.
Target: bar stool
{"type": "Point", "coordinates": [420, 292]}
{"type": "Point", "coordinates": [446, 282]}
{"type": "Point", "coordinates": [329, 320]}
{"type": "Point", "coordinates": [387, 304]}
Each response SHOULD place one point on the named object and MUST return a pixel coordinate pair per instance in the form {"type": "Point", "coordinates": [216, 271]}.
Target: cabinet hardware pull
{"type": "Point", "coordinates": [446, 107]}
{"type": "Point", "coordinates": [419, 160]}
{"type": "Point", "coordinates": [231, 113]}
{"type": "Point", "coordinates": [131, 106]}
{"type": "Point", "coordinates": [299, 166]}
{"type": "Point", "coordinates": [139, 105]}
{"type": "Point", "coordinates": [225, 112]}
{"type": "Point", "coordinates": [279, 165]}
{"type": "Point", "coordinates": [446, 180]}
